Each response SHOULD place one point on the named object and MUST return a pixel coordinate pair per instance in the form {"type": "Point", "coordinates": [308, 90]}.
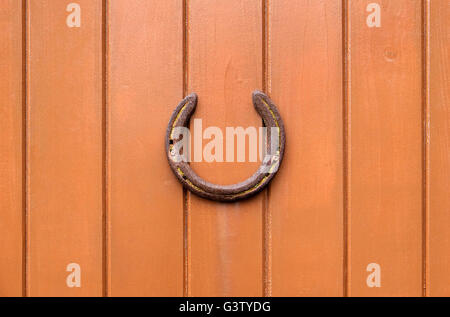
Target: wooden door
{"type": "Point", "coordinates": [359, 207]}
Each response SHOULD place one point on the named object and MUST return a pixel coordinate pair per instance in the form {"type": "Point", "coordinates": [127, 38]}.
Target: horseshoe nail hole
{"type": "Point", "coordinates": [184, 177]}
{"type": "Point", "coordinates": [170, 141]}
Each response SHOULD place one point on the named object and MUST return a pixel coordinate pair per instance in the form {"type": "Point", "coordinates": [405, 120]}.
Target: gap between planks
{"type": "Point", "coordinates": [426, 7]}
{"type": "Point", "coordinates": [346, 108]}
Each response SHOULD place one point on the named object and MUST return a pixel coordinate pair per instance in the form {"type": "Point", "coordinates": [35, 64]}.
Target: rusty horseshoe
{"type": "Point", "coordinates": [227, 193]}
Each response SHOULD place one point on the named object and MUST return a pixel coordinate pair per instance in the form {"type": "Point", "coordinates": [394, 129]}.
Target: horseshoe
{"type": "Point", "coordinates": [227, 193]}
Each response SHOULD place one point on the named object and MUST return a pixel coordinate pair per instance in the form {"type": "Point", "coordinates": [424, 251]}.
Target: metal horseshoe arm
{"type": "Point", "coordinates": [275, 142]}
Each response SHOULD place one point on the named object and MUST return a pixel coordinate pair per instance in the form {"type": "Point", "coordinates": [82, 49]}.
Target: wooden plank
{"type": "Point", "coordinates": [439, 221]}
{"type": "Point", "coordinates": [64, 148]}
{"type": "Point", "coordinates": [224, 65]}
{"type": "Point", "coordinates": [385, 148]}
{"type": "Point", "coordinates": [11, 153]}
{"type": "Point", "coordinates": [305, 199]}
{"type": "Point", "coordinates": [145, 84]}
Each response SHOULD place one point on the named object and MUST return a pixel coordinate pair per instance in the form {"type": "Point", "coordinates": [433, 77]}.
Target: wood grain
{"type": "Point", "coordinates": [145, 83]}
{"type": "Point", "coordinates": [11, 149]}
{"type": "Point", "coordinates": [439, 221]}
{"type": "Point", "coordinates": [385, 219]}
{"type": "Point", "coordinates": [305, 200]}
{"type": "Point", "coordinates": [84, 177]}
{"type": "Point", "coordinates": [64, 148]}
{"type": "Point", "coordinates": [224, 63]}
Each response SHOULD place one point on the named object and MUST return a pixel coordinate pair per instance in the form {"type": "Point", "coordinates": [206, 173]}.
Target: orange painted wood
{"type": "Point", "coordinates": [84, 177]}
{"type": "Point", "coordinates": [224, 64]}
{"type": "Point", "coordinates": [145, 83]}
{"type": "Point", "coordinates": [385, 148]}
{"type": "Point", "coordinates": [64, 148]}
{"type": "Point", "coordinates": [305, 199]}
{"type": "Point", "coordinates": [439, 221]}
{"type": "Point", "coordinates": [11, 153]}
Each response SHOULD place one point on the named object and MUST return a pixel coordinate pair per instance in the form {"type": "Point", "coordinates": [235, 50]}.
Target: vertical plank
{"type": "Point", "coordinates": [11, 171]}
{"type": "Point", "coordinates": [145, 83]}
{"type": "Point", "coordinates": [305, 199]}
{"type": "Point", "coordinates": [224, 67]}
{"type": "Point", "coordinates": [64, 148]}
{"type": "Point", "coordinates": [385, 147]}
{"type": "Point", "coordinates": [439, 222]}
